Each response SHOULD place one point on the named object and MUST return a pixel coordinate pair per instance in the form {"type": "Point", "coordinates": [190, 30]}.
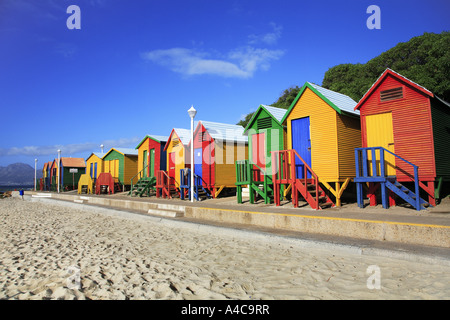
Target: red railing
{"type": "Point", "coordinates": [284, 172]}
{"type": "Point", "coordinates": [165, 184]}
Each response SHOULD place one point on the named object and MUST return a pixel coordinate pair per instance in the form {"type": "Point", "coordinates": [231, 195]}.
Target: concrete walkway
{"type": "Point", "coordinates": [398, 227]}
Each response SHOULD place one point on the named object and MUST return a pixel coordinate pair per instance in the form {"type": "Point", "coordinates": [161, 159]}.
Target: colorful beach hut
{"type": "Point", "coordinates": [151, 159]}
{"type": "Point", "coordinates": [405, 138]}
{"type": "Point", "coordinates": [177, 158]}
{"type": "Point", "coordinates": [265, 134]}
{"type": "Point", "coordinates": [122, 164]}
{"type": "Point", "coordinates": [94, 165]}
{"type": "Point", "coordinates": [46, 176]}
{"type": "Point", "coordinates": [54, 174]}
{"type": "Point", "coordinates": [71, 170]}
{"type": "Point", "coordinates": [216, 147]}
{"type": "Point", "coordinates": [323, 130]}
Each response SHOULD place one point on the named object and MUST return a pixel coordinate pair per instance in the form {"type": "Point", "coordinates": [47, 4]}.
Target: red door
{"type": "Point", "coordinates": [172, 167]}
{"type": "Point", "coordinates": [258, 154]}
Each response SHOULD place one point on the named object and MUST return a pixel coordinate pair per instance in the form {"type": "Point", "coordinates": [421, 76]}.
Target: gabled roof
{"type": "Point", "coordinates": [397, 76]}
{"type": "Point", "coordinates": [94, 154]}
{"type": "Point", "coordinates": [153, 137]}
{"type": "Point", "coordinates": [124, 151]}
{"type": "Point", "coordinates": [341, 103]}
{"type": "Point", "coordinates": [223, 131]}
{"type": "Point", "coordinates": [73, 162]}
{"type": "Point", "coordinates": [276, 113]}
{"type": "Point", "coordinates": [183, 134]}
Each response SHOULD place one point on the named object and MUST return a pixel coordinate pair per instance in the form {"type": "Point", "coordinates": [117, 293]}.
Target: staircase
{"type": "Point", "coordinates": [200, 192]}
{"type": "Point", "coordinates": [143, 187]}
{"type": "Point", "coordinates": [404, 193]}
{"type": "Point", "coordinates": [165, 186]}
{"type": "Point", "coordinates": [257, 179]}
{"type": "Point", "coordinates": [374, 171]}
{"type": "Point", "coordinates": [284, 172]}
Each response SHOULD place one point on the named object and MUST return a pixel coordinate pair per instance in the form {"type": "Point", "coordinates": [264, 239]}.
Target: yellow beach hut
{"type": "Point", "coordinates": [323, 130]}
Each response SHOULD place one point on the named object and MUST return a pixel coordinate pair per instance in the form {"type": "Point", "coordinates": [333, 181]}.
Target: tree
{"type": "Point", "coordinates": [424, 59]}
{"type": "Point", "coordinates": [284, 101]}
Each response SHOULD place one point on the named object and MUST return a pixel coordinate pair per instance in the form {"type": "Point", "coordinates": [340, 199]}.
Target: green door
{"type": "Point", "coordinates": [144, 165]}
{"type": "Point", "coordinates": [152, 163]}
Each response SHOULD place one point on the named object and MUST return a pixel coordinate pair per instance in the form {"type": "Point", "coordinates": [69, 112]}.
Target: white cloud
{"type": "Point", "coordinates": [269, 38]}
{"type": "Point", "coordinates": [241, 62]}
{"type": "Point", "coordinates": [244, 62]}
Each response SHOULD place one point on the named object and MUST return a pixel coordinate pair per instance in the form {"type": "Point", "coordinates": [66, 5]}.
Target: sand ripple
{"type": "Point", "coordinates": [119, 258]}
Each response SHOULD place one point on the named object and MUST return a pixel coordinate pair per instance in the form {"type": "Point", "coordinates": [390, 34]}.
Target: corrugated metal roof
{"type": "Point", "coordinates": [159, 138]}
{"type": "Point", "coordinates": [73, 162]}
{"type": "Point", "coordinates": [127, 151]}
{"type": "Point", "coordinates": [184, 135]}
{"type": "Point", "coordinates": [392, 72]}
{"type": "Point", "coordinates": [277, 113]}
{"type": "Point", "coordinates": [343, 102]}
{"type": "Point", "coordinates": [224, 131]}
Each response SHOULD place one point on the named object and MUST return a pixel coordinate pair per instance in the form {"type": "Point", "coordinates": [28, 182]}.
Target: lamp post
{"type": "Point", "coordinates": [35, 165]}
{"type": "Point", "coordinates": [192, 112]}
{"type": "Point", "coordinates": [59, 168]}
{"type": "Point", "coordinates": [101, 147]}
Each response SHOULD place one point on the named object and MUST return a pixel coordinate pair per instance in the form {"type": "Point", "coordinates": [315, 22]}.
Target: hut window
{"type": "Point", "coordinates": [391, 94]}
{"type": "Point", "coordinates": [264, 123]}
{"type": "Point", "coordinates": [200, 136]}
{"type": "Point", "coordinates": [175, 143]}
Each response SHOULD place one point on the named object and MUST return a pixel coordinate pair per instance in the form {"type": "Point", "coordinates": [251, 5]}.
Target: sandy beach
{"type": "Point", "coordinates": [50, 251]}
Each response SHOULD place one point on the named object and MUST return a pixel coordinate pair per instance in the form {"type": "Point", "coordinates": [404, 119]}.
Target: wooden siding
{"type": "Point", "coordinates": [130, 168]}
{"type": "Point", "coordinates": [349, 138]}
{"type": "Point", "coordinates": [145, 146]}
{"type": "Point", "coordinates": [203, 140]}
{"type": "Point", "coordinates": [226, 155]}
{"type": "Point", "coordinates": [181, 156]}
{"type": "Point", "coordinates": [274, 139]}
{"type": "Point", "coordinates": [160, 156]}
{"type": "Point", "coordinates": [413, 135]}
{"type": "Point", "coordinates": [94, 159]}
{"type": "Point", "coordinates": [441, 131]}
{"type": "Point", "coordinates": [113, 163]}
{"type": "Point", "coordinates": [323, 122]}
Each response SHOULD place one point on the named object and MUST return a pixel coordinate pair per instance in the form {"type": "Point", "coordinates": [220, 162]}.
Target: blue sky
{"type": "Point", "coordinates": [136, 67]}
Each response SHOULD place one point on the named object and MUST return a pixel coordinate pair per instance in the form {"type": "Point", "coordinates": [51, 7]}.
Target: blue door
{"type": "Point", "coordinates": [301, 142]}
{"type": "Point", "coordinates": [198, 161]}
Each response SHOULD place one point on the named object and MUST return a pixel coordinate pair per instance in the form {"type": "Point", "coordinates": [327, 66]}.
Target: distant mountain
{"type": "Point", "coordinates": [17, 174]}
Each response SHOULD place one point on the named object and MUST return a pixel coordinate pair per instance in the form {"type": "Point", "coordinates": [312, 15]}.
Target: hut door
{"type": "Point", "coordinates": [380, 133]}
{"type": "Point", "coordinates": [152, 163]}
{"type": "Point", "coordinates": [198, 161]}
{"type": "Point", "coordinates": [259, 154]}
{"type": "Point", "coordinates": [259, 150]}
{"type": "Point", "coordinates": [95, 171]}
{"type": "Point", "coordinates": [301, 142]}
{"type": "Point", "coordinates": [172, 167]}
{"type": "Point", "coordinates": [144, 164]}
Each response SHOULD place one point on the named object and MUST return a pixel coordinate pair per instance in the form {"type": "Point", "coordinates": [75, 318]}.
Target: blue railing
{"type": "Point", "coordinates": [362, 168]}
{"type": "Point", "coordinates": [185, 183]}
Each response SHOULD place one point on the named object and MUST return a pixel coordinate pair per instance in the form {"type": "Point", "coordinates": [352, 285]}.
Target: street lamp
{"type": "Point", "coordinates": [35, 164]}
{"type": "Point", "coordinates": [59, 168]}
{"type": "Point", "coordinates": [101, 147]}
{"type": "Point", "coordinates": [192, 112]}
